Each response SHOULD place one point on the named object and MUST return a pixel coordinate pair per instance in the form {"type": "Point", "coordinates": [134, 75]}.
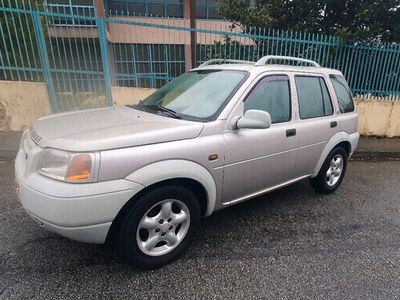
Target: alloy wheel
{"type": "Point", "coordinates": [163, 227]}
{"type": "Point", "coordinates": [335, 170]}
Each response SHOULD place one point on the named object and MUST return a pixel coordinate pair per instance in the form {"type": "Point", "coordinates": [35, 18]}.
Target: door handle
{"type": "Point", "coordinates": [291, 132]}
{"type": "Point", "coordinates": [333, 124]}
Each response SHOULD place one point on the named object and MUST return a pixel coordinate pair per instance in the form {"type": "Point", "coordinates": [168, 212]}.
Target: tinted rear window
{"type": "Point", "coordinates": [343, 93]}
{"type": "Point", "coordinates": [313, 96]}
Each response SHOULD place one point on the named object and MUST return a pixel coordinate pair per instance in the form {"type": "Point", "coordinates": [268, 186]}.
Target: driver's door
{"type": "Point", "coordinates": [257, 159]}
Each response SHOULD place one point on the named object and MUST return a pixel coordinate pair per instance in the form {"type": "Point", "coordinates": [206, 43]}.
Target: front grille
{"type": "Point", "coordinates": [35, 137]}
{"type": "Point", "coordinates": [29, 160]}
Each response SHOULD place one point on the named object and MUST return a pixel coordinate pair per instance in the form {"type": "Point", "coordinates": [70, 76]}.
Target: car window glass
{"type": "Point", "coordinates": [198, 94]}
{"type": "Point", "coordinates": [271, 94]}
{"type": "Point", "coordinates": [313, 96]}
{"type": "Point", "coordinates": [343, 93]}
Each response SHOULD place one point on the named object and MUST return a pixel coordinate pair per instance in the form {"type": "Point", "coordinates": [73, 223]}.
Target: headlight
{"type": "Point", "coordinates": [71, 167]}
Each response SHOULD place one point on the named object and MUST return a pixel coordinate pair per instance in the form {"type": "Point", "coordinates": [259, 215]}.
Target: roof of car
{"type": "Point", "coordinates": [260, 66]}
{"type": "Point", "coordinates": [283, 68]}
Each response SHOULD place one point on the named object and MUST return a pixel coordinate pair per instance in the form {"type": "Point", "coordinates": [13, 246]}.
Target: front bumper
{"type": "Point", "coordinates": [82, 212]}
{"type": "Point", "coordinates": [94, 234]}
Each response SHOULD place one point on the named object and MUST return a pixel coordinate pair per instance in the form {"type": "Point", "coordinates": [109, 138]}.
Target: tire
{"type": "Point", "coordinates": [336, 164]}
{"type": "Point", "coordinates": [155, 231]}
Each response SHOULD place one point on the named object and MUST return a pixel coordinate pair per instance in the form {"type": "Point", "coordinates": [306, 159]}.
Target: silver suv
{"type": "Point", "coordinates": [142, 176]}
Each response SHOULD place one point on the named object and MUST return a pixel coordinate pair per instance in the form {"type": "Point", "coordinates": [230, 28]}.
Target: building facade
{"type": "Point", "coordinates": [140, 55]}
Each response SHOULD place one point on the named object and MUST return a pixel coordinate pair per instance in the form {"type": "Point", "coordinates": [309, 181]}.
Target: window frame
{"type": "Point", "coordinates": [70, 21]}
{"type": "Point", "coordinates": [147, 4]}
{"type": "Point", "coordinates": [208, 8]}
{"type": "Point", "coordinates": [254, 86]}
{"type": "Point", "coordinates": [320, 76]}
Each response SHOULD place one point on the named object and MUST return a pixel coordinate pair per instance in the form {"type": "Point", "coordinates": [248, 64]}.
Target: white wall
{"type": "Point", "coordinates": [21, 103]}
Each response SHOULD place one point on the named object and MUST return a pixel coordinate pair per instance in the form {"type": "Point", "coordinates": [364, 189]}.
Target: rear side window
{"type": "Point", "coordinates": [343, 93]}
{"type": "Point", "coordinates": [271, 94]}
{"type": "Point", "coordinates": [313, 96]}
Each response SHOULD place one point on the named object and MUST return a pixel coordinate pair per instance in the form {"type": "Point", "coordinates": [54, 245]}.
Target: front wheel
{"type": "Point", "coordinates": [159, 228]}
{"type": "Point", "coordinates": [332, 172]}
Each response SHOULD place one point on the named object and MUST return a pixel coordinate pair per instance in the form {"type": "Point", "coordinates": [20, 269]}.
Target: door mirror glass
{"type": "Point", "coordinates": [254, 119]}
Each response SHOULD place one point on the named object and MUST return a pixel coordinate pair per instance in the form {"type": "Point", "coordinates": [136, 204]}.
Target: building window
{"type": "Point", "coordinates": [71, 7]}
{"type": "Point", "coordinates": [206, 9]}
{"type": "Point", "coordinates": [159, 8]}
{"type": "Point", "coordinates": [147, 65]}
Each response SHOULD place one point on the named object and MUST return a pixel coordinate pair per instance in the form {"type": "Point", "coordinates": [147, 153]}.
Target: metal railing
{"type": "Point", "coordinates": [82, 64]}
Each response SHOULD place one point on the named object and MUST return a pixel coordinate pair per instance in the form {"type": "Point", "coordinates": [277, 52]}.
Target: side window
{"type": "Point", "coordinates": [343, 93]}
{"type": "Point", "coordinates": [313, 96]}
{"type": "Point", "coordinates": [271, 94]}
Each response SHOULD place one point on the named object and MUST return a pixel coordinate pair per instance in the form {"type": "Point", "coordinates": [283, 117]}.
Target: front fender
{"type": "Point", "coordinates": [335, 140]}
{"type": "Point", "coordinates": [171, 169]}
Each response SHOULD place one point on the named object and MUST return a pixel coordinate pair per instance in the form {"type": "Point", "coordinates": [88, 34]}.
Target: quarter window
{"type": "Point", "coordinates": [271, 94]}
{"type": "Point", "coordinates": [313, 96]}
{"type": "Point", "coordinates": [343, 93]}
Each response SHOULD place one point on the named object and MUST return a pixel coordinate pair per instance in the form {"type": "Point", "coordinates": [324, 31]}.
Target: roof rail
{"type": "Point", "coordinates": [264, 60]}
{"type": "Point", "coordinates": [220, 61]}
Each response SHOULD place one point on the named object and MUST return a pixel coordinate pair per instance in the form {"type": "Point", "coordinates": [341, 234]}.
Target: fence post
{"type": "Point", "coordinates": [101, 13]}
{"type": "Point", "coordinates": [101, 25]}
{"type": "Point", "coordinates": [44, 58]}
{"type": "Point", "coordinates": [190, 49]}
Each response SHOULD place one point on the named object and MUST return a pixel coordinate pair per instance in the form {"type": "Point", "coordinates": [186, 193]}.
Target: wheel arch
{"type": "Point", "coordinates": [193, 185]}
{"type": "Point", "coordinates": [171, 172]}
{"type": "Point", "coordinates": [163, 171]}
{"type": "Point", "coordinates": [339, 139]}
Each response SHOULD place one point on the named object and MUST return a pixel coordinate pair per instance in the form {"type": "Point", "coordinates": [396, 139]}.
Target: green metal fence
{"type": "Point", "coordinates": [82, 58]}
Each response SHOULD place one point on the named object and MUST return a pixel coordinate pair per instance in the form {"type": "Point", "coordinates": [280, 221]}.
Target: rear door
{"type": "Point", "coordinates": [317, 120]}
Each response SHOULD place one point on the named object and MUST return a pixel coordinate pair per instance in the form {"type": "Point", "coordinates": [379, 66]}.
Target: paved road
{"type": "Point", "coordinates": [290, 244]}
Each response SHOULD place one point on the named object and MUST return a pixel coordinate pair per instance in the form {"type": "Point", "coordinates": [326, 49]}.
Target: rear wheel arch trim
{"type": "Point", "coordinates": [338, 138]}
{"type": "Point", "coordinates": [174, 169]}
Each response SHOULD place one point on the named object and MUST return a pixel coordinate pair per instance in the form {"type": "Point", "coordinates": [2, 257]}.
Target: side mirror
{"type": "Point", "coordinates": [254, 119]}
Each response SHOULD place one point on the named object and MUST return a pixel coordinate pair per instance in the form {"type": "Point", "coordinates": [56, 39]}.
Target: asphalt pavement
{"type": "Point", "coordinates": [289, 244]}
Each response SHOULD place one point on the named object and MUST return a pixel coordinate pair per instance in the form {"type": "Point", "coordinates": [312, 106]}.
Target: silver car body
{"type": "Point", "coordinates": [135, 149]}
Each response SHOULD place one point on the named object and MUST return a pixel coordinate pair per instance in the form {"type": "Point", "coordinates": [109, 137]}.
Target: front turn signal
{"type": "Point", "coordinates": [80, 168]}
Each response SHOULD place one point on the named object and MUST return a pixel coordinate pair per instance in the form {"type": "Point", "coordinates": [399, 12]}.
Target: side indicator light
{"type": "Point", "coordinates": [213, 157]}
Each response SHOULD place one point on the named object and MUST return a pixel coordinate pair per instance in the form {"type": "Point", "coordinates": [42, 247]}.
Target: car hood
{"type": "Point", "coordinates": [110, 128]}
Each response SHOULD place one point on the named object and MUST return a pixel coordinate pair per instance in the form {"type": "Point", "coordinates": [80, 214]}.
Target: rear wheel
{"type": "Point", "coordinates": [332, 172]}
{"type": "Point", "coordinates": [159, 228]}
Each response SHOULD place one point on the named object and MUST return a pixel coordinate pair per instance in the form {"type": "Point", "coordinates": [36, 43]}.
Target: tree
{"type": "Point", "coordinates": [352, 20]}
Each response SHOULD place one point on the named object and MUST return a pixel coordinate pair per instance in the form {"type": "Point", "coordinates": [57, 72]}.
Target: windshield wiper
{"type": "Point", "coordinates": [165, 110]}
{"type": "Point", "coordinates": [157, 107]}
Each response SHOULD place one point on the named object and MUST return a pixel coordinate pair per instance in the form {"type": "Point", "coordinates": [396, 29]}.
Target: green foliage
{"type": "Point", "coordinates": [228, 49]}
{"type": "Point", "coordinates": [352, 20]}
{"type": "Point", "coordinates": [18, 45]}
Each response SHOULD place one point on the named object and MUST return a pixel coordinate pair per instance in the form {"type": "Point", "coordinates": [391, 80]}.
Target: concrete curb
{"type": "Point", "coordinates": [375, 148]}
{"type": "Point", "coordinates": [375, 155]}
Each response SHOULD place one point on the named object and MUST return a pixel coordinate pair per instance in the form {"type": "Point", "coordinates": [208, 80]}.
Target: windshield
{"type": "Point", "coordinates": [197, 95]}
